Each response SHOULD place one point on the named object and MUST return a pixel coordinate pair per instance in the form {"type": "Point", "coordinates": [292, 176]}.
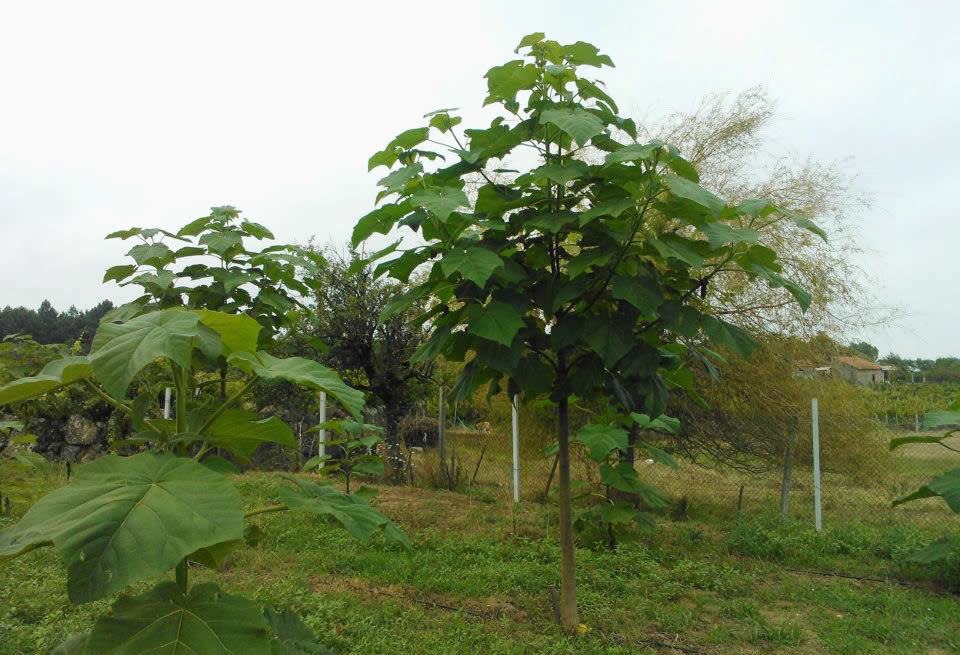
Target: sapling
{"type": "Point", "coordinates": [126, 519]}
{"type": "Point", "coordinates": [547, 274]}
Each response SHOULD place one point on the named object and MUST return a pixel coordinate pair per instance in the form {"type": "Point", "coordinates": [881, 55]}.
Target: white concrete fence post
{"type": "Point", "coordinates": [322, 434]}
{"type": "Point", "coordinates": [815, 426]}
{"type": "Point", "coordinates": [516, 449]}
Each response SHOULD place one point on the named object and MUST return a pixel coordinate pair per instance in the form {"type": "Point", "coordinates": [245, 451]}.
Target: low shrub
{"type": "Point", "coordinates": [419, 431]}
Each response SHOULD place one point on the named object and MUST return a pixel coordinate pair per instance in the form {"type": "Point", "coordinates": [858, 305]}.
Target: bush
{"type": "Point", "coordinates": [794, 543]}
{"type": "Point", "coordinates": [419, 431]}
{"type": "Point", "coordinates": [758, 405]}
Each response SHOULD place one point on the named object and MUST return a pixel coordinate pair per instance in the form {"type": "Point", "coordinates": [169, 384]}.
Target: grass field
{"type": "Point", "coordinates": [479, 580]}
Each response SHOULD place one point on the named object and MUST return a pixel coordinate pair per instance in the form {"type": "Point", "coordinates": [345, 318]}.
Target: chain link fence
{"type": "Point", "coordinates": [477, 455]}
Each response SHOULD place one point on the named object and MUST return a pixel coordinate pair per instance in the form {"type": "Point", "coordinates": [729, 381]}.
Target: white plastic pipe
{"type": "Point", "coordinates": [516, 450]}
{"type": "Point", "coordinates": [322, 438]}
{"type": "Point", "coordinates": [815, 425]}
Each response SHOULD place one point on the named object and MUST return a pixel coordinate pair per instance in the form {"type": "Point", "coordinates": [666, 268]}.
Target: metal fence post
{"type": "Point", "coordinates": [322, 434]}
{"type": "Point", "coordinates": [815, 426]}
{"type": "Point", "coordinates": [515, 424]}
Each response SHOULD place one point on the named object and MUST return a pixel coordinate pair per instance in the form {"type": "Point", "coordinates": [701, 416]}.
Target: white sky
{"type": "Point", "coordinates": [129, 113]}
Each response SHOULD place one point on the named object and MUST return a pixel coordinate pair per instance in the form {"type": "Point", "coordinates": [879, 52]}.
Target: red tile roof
{"type": "Point", "coordinates": [859, 363]}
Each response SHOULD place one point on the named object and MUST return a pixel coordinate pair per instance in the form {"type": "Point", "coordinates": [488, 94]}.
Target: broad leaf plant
{"type": "Point", "coordinates": [946, 485]}
{"type": "Point", "coordinates": [126, 519]}
{"type": "Point", "coordinates": [209, 263]}
{"type": "Point", "coordinates": [558, 254]}
{"type": "Point", "coordinates": [352, 451]}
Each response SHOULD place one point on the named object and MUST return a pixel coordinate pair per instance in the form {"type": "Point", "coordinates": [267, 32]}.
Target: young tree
{"type": "Point", "coordinates": [564, 277]}
{"type": "Point", "coordinates": [374, 353]}
{"type": "Point", "coordinates": [217, 270]}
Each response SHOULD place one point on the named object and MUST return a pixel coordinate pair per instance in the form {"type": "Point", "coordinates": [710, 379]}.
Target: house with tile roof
{"type": "Point", "coordinates": [858, 370]}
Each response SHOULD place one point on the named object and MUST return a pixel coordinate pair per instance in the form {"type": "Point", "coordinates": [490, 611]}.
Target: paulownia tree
{"type": "Point", "coordinates": [123, 520]}
{"type": "Point", "coordinates": [211, 265]}
{"type": "Point", "coordinates": [556, 276]}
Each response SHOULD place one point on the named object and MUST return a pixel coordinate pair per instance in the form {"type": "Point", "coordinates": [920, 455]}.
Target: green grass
{"type": "Point", "coordinates": [478, 582]}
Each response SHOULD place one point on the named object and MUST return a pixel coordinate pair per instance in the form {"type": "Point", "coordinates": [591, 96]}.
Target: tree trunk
{"type": "Point", "coordinates": [568, 566]}
{"type": "Point", "coordinates": [396, 465]}
{"type": "Point", "coordinates": [632, 438]}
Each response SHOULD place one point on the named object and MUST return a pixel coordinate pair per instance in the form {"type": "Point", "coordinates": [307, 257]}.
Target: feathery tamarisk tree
{"type": "Point", "coordinates": [564, 278]}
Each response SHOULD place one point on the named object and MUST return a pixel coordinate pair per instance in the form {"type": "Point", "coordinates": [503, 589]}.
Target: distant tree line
{"type": "Point", "coordinates": [47, 325]}
{"type": "Point", "coordinates": [941, 369]}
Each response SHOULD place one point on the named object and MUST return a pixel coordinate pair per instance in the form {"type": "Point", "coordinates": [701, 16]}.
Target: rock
{"type": "Point", "coordinates": [71, 453]}
{"type": "Point", "coordinates": [89, 454]}
{"type": "Point", "coordinates": [81, 431]}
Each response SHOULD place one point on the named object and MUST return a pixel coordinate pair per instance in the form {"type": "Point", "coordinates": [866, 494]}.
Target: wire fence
{"type": "Point", "coordinates": [504, 459]}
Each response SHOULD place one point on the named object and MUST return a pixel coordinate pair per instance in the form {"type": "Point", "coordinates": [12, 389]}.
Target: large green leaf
{"type": "Point", "coordinates": [588, 89]}
{"type": "Point", "coordinates": [151, 254]}
{"type": "Point", "coordinates": [610, 208]}
{"type": "Point", "coordinates": [380, 220]}
{"type": "Point", "coordinates": [238, 332]}
{"type": "Point", "coordinates": [562, 173]}
{"type": "Point", "coordinates": [121, 350]}
{"type": "Point", "coordinates": [720, 234]}
{"type": "Point", "coordinates": [504, 82]}
{"type": "Point", "coordinates": [601, 440]}
{"type": "Point", "coordinates": [692, 191]}
{"type": "Point", "coordinates": [632, 152]}
{"type": "Point", "coordinates": [582, 53]}
{"type": "Point", "coordinates": [124, 519]}
{"type": "Point", "coordinates": [220, 243]}
{"type": "Point", "coordinates": [807, 224]}
{"type": "Point", "coordinates": [580, 124]}
{"type": "Point", "coordinates": [205, 621]}
{"type": "Point", "coordinates": [624, 477]}
{"type": "Point", "coordinates": [610, 338]}
{"type": "Point", "coordinates": [440, 202]}
{"type": "Point", "coordinates": [301, 371]}
{"type": "Point", "coordinates": [398, 179]}
{"type": "Point", "coordinates": [475, 264]}
{"type": "Point", "coordinates": [587, 260]}
{"type": "Point", "coordinates": [673, 246]}
{"type": "Point", "coordinates": [801, 295]}
{"type": "Point", "coordinates": [896, 442]}
{"type": "Point", "coordinates": [351, 512]}
{"type": "Point", "coordinates": [241, 432]}
{"type": "Point", "coordinates": [730, 335]}
{"type": "Point", "coordinates": [117, 273]}
{"type": "Point", "coordinates": [662, 423]}
{"type": "Point", "coordinates": [947, 486]}
{"type": "Point", "coordinates": [636, 291]}
{"type": "Point", "coordinates": [55, 374]}
{"type": "Point", "coordinates": [497, 322]}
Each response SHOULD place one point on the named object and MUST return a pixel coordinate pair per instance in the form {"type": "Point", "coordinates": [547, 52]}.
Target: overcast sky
{"type": "Point", "coordinates": [129, 113]}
